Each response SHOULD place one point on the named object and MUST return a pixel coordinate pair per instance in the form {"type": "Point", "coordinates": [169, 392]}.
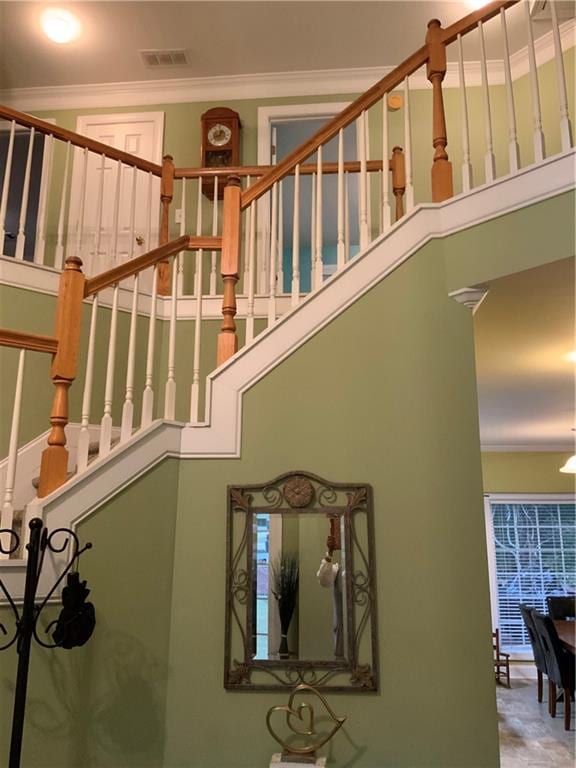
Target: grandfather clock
{"type": "Point", "coordinates": [220, 148]}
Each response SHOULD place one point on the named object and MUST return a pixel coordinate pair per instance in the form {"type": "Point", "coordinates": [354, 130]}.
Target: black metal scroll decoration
{"type": "Point", "coordinates": [302, 493]}
{"type": "Point", "coordinates": [26, 619]}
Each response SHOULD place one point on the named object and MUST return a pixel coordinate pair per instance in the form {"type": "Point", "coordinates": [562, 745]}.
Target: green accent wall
{"type": "Point", "coordinates": [104, 704]}
{"type": "Point", "coordinates": [526, 472]}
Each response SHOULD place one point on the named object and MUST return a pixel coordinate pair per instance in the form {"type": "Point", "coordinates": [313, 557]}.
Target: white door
{"type": "Point", "coordinates": [103, 232]}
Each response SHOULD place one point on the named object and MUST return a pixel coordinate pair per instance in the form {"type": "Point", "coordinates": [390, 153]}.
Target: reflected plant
{"type": "Point", "coordinates": [285, 579]}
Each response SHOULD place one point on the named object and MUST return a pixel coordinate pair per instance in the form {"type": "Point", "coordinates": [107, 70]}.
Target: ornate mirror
{"type": "Point", "coordinates": [300, 586]}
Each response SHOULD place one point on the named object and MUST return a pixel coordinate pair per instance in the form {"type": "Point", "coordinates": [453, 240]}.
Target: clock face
{"type": "Point", "coordinates": [219, 135]}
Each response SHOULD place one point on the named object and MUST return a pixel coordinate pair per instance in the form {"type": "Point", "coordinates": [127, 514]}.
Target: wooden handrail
{"type": "Point", "coordinates": [35, 342]}
{"type": "Point", "coordinates": [367, 100]}
{"type": "Point", "coordinates": [259, 170]}
{"type": "Point", "coordinates": [134, 266]}
{"type": "Point", "coordinates": [78, 140]}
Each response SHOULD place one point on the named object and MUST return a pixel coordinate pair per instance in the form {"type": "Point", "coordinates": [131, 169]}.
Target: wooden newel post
{"type": "Point", "coordinates": [398, 167]}
{"type": "Point", "coordinates": [442, 187]}
{"type": "Point", "coordinates": [166, 195]}
{"type": "Point", "coordinates": [230, 267]}
{"type": "Point", "coordinates": [54, 464]}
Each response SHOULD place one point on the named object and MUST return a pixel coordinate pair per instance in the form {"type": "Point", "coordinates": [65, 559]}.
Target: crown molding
{"type": "Point", "coordinates": [327, 82]}
{"type": "Point", "coordinates": [527, 447]}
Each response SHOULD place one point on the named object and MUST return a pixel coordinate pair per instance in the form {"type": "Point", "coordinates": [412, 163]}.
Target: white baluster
{"type": "Point", "coordinates": [296, 239]}
{"type": "Point", "coordinates": [195, 392]}
{"type": "Point", "coordinates": [83, 446]}
{"type": "Point", "coordinates": [80, 221]}
{"type": "Point", "coordinates": [198, 289]}
{"type": "Point", "coordinates": [467, 180]}
{"type": "Point", "coordinates": [148, 243]}
{"type": "Point", "coordinates": [59, 255]}
{"type": "Point", "coordinates": [7, 517]}
{"type": "Point", "coordinates": [170, 392]}
{"type": "Point", "coordinates": [128, 407]}
{"type": "Point", "coordinates": [318, 268]}
{"type": "Point", "coordinates": [273, 250]}
{"type": "Point", "coordinates": [45, 182]}
{"type": "Point", "coordinates": [280, 252]}
{"type": "Point", "coordinates": [21, 237]}
{"type": "Point", "coordinates": [368, 177]}
{"type": "Point", "coordinates": [312, 230]}
{"type": "Point", "coordinates": [246, 277]}
{"type": "Point", "coordinates": [362, 202]}
{"type": "Point", "coordinates": [539, 150]}
{"type": "Point", "coordinates": [148, 394]}
{"type": "Point", "coordinates": [340, 237]}
{"type": "Point", "coordinates": [182, 232]}
{"type": "Point", "coordinates": [132, 225]}
{"type": "Point", "coordinates": [214, 232]}
{"type": "Point", "coordinates": [565, 125]}
{"type": "Point", "coordinates": [106, 423]}
{"type": "Point", "coordinates": [198, 231]}
{"type": "Point", "coordinates": [409, 194]}
{"type": "Point", "coordinates": [116, 211]}
{"type": "Point", "coordinates": [513, 148]}
{"type": "Point", "coordinates": [386, 215]}
{"type": "Point", "coordinates": [347, 216]}
{"type": "Point", "coordinates": [252, 274]}
{"type": "Point", "coordinates": [95, 267]}
{"type": "Point", "coordinates": [6, 185]}
{"type": "Point", "coordinates": [489, 159]}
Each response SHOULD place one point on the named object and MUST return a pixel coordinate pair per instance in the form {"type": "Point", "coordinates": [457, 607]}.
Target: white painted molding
{"type": "Point", "coordinates": [470, 297]}
{"type": "Point", "coordinates": [525, 448]}
{"type": "Point", "coordinates": [259, 86]}
{"type": "Point", "coordinates": [220, 435]}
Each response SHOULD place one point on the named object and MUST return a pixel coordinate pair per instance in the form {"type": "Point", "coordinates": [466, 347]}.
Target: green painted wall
{"type": "Point", "coordinates": [354, 416]}
{"type": "Point", "coordinates": [526, 472]}
{"type": "Point", "coordinates": [104, 704]}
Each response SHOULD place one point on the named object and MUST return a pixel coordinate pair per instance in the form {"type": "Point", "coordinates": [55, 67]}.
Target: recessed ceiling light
{"type": "Point", "coordinates": [570, 356]}
{"type": "Point", "coordinates": [60, 25]}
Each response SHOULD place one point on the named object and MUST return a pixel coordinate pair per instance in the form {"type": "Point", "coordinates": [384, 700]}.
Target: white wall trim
{"type": "Point", "coordinates": [259, 86]}
{"type": "Point", "coordinates": [525, 448]}
{"type": "Point", "coordinates": [220, 435]}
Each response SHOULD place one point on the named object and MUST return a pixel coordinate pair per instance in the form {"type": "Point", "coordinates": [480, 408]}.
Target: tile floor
{"type": "Point", "coordinates": [529, 737]}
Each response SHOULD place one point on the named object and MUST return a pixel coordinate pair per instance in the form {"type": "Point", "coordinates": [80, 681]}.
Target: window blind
{"type": "Point", "coordinates": [535, 550]}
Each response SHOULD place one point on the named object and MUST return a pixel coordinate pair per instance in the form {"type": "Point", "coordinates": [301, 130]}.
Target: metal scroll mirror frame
{"type": "Point", "coordinates": [332, 642]}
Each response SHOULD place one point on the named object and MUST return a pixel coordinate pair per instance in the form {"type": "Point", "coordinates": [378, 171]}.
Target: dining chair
{"type": "Point", "coordinates": [561, 606]}
{"type": "Point", "coordinates": [501, 660]}
{"type": "Point", "coordinates": [559, 663]}
{"type": "Point", "coordinates": [539, 658]}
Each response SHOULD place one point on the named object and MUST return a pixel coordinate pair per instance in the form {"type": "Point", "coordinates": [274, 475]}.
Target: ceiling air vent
{"type": "Point", "coordinates": [164, 58]}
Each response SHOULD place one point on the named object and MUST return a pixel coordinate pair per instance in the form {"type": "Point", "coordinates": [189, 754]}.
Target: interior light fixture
{"type": "Point", "coordinates": [570, 356]}
{"type": "Point", "coordinates": [60, 25]}
{"type": "Point", "coordinates": [475, 5]}
{"type": "Point", "coordinates": [570, 466]}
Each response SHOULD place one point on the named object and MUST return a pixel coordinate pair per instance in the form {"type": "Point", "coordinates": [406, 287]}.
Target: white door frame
{"type": "Point", "coordinates": [267, 116]}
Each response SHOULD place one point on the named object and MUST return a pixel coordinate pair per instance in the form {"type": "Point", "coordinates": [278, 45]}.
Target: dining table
{"type": "Point", "coordinates": [567, 634]}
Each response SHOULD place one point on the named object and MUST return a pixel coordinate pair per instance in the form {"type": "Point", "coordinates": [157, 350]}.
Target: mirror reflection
{"type": "Point", "coordinates": [300, 587]}
{"type": "Point", "coordinates": [300, 594]}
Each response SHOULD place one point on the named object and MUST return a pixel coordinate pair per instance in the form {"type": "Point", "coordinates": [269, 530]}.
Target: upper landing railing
{"type": "Point", "coordinates": [110, 216]}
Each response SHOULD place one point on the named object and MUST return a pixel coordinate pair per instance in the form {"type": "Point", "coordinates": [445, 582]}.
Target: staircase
{"type": "Point", "coordinates": [153, 410]}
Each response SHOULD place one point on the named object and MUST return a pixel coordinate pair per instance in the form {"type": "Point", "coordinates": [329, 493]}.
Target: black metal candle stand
{"type": "Point", "coordinates": [65, 632]}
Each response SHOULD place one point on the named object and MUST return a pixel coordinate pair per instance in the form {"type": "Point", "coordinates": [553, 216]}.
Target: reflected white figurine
{"type": "Point", "coordinates": [330, 575]}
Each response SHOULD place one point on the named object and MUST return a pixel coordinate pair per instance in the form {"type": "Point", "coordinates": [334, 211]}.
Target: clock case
{"type": "Point", "coordinates": [224, 155]}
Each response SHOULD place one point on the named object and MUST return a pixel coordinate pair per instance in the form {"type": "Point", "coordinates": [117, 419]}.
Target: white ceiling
{"type": "Point", "coordinates": [225, 38]}
{"type": "Point", "coordinates": [526, 387]}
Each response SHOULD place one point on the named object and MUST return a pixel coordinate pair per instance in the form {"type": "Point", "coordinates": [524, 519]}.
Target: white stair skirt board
{"type": "Point", "coordinates": [219, 435]}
